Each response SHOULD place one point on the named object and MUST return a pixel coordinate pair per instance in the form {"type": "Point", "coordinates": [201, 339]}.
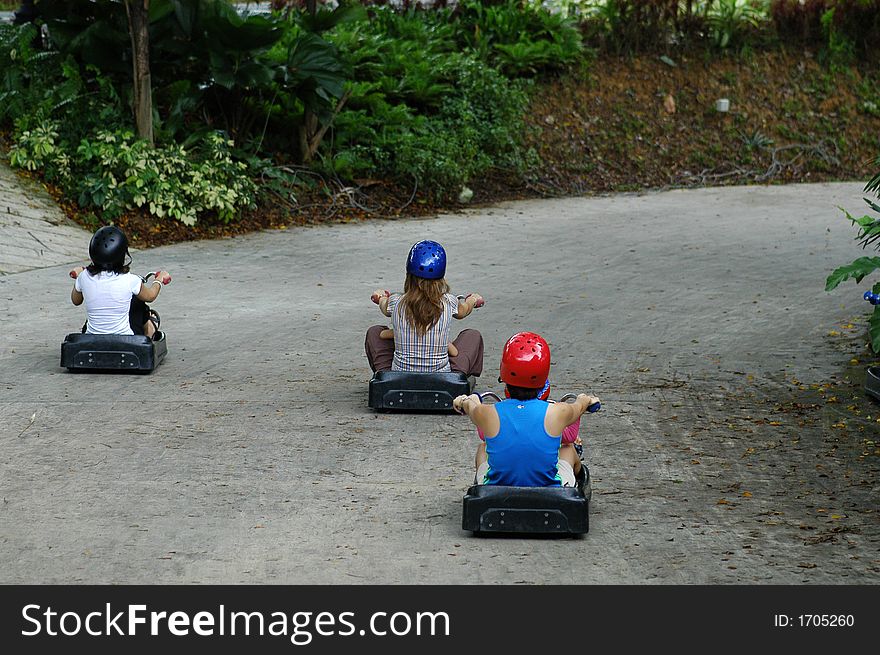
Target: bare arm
{"type": "Point", "coordinates": [76, 297]}
{"type": "Point", "coordinates": [560, 415]}
{"type": "Point", "coordinates": [149, 292]}
{"type": "Point", "coordinates": [466, 306]}
{"type": "Point", "coordinates": [483, 416]}
{"type": "Point", "coordinates": [380, 297]}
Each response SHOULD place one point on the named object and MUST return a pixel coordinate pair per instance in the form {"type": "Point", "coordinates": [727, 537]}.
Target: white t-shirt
{"type": "Point", "coordinates": [108, 299]}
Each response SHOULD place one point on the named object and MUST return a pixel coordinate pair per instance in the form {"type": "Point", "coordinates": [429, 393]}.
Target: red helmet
{"type": "Point", "coordinates": [525, 361]}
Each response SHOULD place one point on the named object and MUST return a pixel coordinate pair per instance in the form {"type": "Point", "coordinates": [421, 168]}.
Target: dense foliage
{"type": "Point", "coordinates": [427, 98]}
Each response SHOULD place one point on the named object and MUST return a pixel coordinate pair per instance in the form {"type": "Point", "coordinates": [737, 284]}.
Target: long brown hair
{"type": "Point", "coordinates": [423, 300]}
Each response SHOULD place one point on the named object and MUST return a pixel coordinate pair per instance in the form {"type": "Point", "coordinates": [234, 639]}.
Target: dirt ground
{"type": "Point", "coordinates": [637, 123]}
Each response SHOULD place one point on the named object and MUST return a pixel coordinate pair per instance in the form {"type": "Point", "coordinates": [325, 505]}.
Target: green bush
{"type": "Point", "coordinates": [633, 25]}
{"type": "Point", "coordinates": [518, 38]}
{"type": "Point", "coordinates": [115, 172]}
{"type": "Point", "coordinates": [432, 98]}
{"type": "Point", "coordinates": [418, 110]}
{"type": "Point", "coordinates": [39, 85]}
{"type": "Point", "coordinates": [855, 21]}
{"type": "Point", "coordinates": [479, 127]}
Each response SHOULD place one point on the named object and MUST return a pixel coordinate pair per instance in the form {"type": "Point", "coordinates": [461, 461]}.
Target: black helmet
{"type": "Point", "coordinates": [108, 247]}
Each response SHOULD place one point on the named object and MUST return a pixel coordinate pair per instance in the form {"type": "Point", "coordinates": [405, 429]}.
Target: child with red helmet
{"type": "Point", "coordinates": [523, 435]}
{"type": "Point", "coordinates": [116, 300]}
{"type": "Point", "coordinates": [418, 339]}
{"type": "Point", "coordinates": [569, 434]}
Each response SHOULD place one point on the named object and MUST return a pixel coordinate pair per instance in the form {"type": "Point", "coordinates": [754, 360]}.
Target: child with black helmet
{"type": "Point", "coordinates": [418, 339]}
{"type": "Point", "coordinates": [115, 299]}
{"type": "Point", "coordinates": [523, 444]}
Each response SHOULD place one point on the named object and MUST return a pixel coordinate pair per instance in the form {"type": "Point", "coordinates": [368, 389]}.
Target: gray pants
{"type": "Point", "coordinates": [380, 352]}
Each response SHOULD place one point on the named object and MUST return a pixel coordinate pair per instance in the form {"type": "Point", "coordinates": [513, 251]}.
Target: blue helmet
{"type": "Point", "coordinates": [427, 259]}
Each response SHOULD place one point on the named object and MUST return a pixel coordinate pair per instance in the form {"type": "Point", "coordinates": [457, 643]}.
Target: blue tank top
{"type": "Point", "coordinates": [523, 454]}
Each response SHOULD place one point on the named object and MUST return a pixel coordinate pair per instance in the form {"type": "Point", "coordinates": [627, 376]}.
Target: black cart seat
{"type": "Point", "coordinates": [539, 510]}
{"type": "Point", "coordinates": [407, 391]}
{"type": "Point", "coordinates": [112, 352]}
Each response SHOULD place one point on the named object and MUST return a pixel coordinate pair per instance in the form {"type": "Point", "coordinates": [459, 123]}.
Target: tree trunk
{"type": "Point", "coordinates": [139, 28]}
{"type": "Point", "coordinates": [306, 132]}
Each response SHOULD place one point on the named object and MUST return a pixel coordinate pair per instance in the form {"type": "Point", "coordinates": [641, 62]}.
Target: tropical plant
{"type": "Point", "coordinates": [208, 60]}
{"type": "Point", "coordinates": [39, 85]}
{"type": "Point", "coordinates": [869, 234]}
{"type": "Point", "coordinates": [520, 39]}
{"type": "Point", "coordinates": [729, 20]}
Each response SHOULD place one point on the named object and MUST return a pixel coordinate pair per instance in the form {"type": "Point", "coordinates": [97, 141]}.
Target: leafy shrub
{"type": "Point", "coordinates": [23, 70]}
{"type": "Point", "coordinates": [869, 234]}
{"type": "Point", "coordinates": [478, 127]}
{"type": "Point", "coordinates": [114, 172]}
{"type": "Point", "coordinates": [518, 38]}
{"type": "Point", "coordinates": [418, 110]}
{"type": "Point", "coordinates": [38, 148]}
{"type": "Point", "coordinates": [36, 85]}
{"type": "Point", "coordinates": [840, 49]}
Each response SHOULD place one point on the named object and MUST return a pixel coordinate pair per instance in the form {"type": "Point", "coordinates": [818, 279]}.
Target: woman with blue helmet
{"type": "Point", "coordinates": [418, 339]}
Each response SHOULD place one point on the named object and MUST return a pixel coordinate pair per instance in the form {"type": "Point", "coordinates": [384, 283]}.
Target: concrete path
{"type": "Point", "coordinates": [34, 232]}
{"type": "Point", "coordinates": [250, 456]}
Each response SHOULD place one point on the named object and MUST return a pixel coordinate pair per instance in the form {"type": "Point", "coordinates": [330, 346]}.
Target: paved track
{"type": "Point", "coordinates": [250, 455]}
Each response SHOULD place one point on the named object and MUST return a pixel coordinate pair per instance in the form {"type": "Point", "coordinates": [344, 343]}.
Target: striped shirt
{"type": "Point", "coordinates": [426, 353]}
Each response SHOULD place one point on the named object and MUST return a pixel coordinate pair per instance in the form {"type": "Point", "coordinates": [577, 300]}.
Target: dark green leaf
{"type": "Point", "coordinates": [857, 270]}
